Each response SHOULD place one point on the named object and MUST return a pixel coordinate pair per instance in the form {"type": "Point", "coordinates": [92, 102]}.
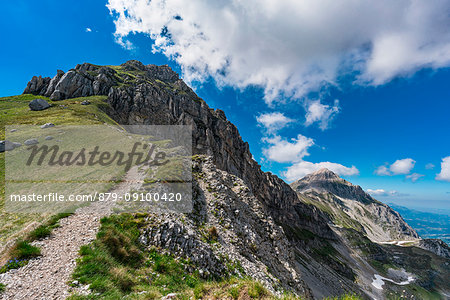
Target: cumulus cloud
{"type": "Point", "coordinates": [414, 176]}
{"type": "Point", "coordinates": [444, 175]}
{"type": "Point", "coordinates": [402, 166]}
{"type": "Point", "coordinates": [399, 167]}
{"type": "Point", "coordinates": [88, 29]}
{"type": "Point", "coordinates": [303, 168]}
{"type": "Point", "coordinates": [382, 171]}
{"type": "Point", "coordinates": [321, 113]}
{"type": "Point", "coordinates": [283, 151]}
{"type": "Point", "coordinates": [290, 48]}
{"type": "Point", "coordinates": [273, 122]}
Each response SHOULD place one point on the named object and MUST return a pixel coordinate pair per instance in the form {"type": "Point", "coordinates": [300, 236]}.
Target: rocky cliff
{"type": "Point", "coordinates": [155, 95]}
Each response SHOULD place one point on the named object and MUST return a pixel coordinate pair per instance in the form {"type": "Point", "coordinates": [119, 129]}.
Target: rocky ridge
{"type": "Point", "coordinates": [155, 95]}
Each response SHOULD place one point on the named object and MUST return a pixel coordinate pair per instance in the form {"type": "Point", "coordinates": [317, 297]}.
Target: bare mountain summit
{"type": "Point", "coordinates": [349, 206]}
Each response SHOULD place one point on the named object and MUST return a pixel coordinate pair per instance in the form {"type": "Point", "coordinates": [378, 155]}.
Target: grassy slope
{"type": "Point", "coordinates": [14, 110]}
{"type": "Point", "coordinates": [116, 266]}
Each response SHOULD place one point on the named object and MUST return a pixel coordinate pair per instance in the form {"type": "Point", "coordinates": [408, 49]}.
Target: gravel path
{"type": "Point", "coordinates": [46, 277]}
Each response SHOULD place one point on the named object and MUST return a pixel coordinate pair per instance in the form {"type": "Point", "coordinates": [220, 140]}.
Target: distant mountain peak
{"type": "Point", "coordinates": [326, 181]}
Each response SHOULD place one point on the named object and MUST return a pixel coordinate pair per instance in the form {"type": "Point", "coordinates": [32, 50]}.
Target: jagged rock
{"type": "Point", "coordinates": [436, 246]}
{"type": "Point", "coordinates": [214, 135]}
{"type": "Point", "coordinates": [52, 85]}
{"type": "Point", "coordinates": [73, 84]}
{"type": "Point", "coordinates": [47, 125]}
{"type": "Point", "coordinates": [30, 142]}
{"type": "Point", "coordinates": [38, 104]}
{"type": "Point", "coordinates": [37, 85]}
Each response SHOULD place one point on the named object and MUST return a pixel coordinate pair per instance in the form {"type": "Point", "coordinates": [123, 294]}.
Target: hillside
{"type": "Point", "coordinates": [250, 235]}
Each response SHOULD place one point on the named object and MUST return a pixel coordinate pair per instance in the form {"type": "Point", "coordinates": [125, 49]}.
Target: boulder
{"type": "Point", "coordinates": [30, 142]}
{"type": "Point", "coordinates": [6, 146]}
{"type": "Point", "coordinates": [48, 138]}
{"type": "Point", "coordinates": [47, 125]}
{"type": "Point", "coordinates": [38, 104]}
{"type": "Point", "coordinates": [85, 102]}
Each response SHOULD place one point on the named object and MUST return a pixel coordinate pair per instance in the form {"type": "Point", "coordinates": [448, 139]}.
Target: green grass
{"type": "Point", "coordinates": [345, 297]}
{"type": "Point", "coordinates": [24, 250]}
{"type": "Point", "coordinates": [14, 110]}
{"type": "Point", "coordinates": [2, 288]}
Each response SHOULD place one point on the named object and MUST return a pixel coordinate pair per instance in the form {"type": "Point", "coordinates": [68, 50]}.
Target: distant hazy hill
{"type": "Point", "coordinates": [428, 225]}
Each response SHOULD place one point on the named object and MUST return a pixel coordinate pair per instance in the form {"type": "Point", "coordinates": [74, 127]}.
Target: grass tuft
{"type": "Point", "coordinates": [24, 250]}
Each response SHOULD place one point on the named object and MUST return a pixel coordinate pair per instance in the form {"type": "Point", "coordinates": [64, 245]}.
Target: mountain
{"type": "Point", "coordinates": [349, 206]}
{"type": "Point", "coordinates": [317, 238]}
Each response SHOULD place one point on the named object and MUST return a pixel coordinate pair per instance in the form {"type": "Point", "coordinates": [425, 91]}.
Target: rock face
{"type": "Point", "coordinates": [37, 85]}
{"type": "Point", "coordinates": [237, 235]}
{"type": "Point", "coordinates": [150, 100]}
{"type": "Point", "coordinates": [349, 206]}
{"type": "Point", "coordinates": [436, 246]}
{"type": "Point", "coordinates": [38, 104]}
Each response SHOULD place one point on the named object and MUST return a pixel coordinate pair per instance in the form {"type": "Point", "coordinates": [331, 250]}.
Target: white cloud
{"type": "Point", "coordinates": [429, 166]}
{"type": "Point", "coordinates": [382, 171]}
{"type": "Point", "coordinates": [273, 121]}
{"type": "Point", "coordinates": [321, 113]}
{"type": "Point", "coordinates": [283, 151]}
{"type": "Point", "coordinates": [377, 192]}
{"type": "Point", "coordinates": [399, 167]}
{"type": "Point", "coordinates": [414, 176]}
{"type": "Point", "coordinates": [88, 29]}
{"type": "Point", "coordinates": [445, 170]}
{"type": "Point", "coordinates": [303, 168]}
{"type": "Point", "coordinates": [402, 166]}
{"type": "Point", "coordinates": [287, 47]}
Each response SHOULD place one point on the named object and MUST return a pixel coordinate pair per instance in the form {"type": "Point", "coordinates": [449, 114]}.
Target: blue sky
{"type": "Point", "coordinates": [388, 110]}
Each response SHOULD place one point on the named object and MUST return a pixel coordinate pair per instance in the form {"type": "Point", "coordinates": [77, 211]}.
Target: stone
{"type": "Point", "coordinates": [38, 104]}
{"type": "Point", "coordinates": [47, 125]}
{"type": "Point", "coordinates": [85, 102]}
{"type": "Point", "coordinates": [30, 142]}
{"type": "Point", "coordinates": [48, 138]}
{"type": "Point", "coordinates": [6, 146]}
{"type": "Point", "coordinates": [13, 130]}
